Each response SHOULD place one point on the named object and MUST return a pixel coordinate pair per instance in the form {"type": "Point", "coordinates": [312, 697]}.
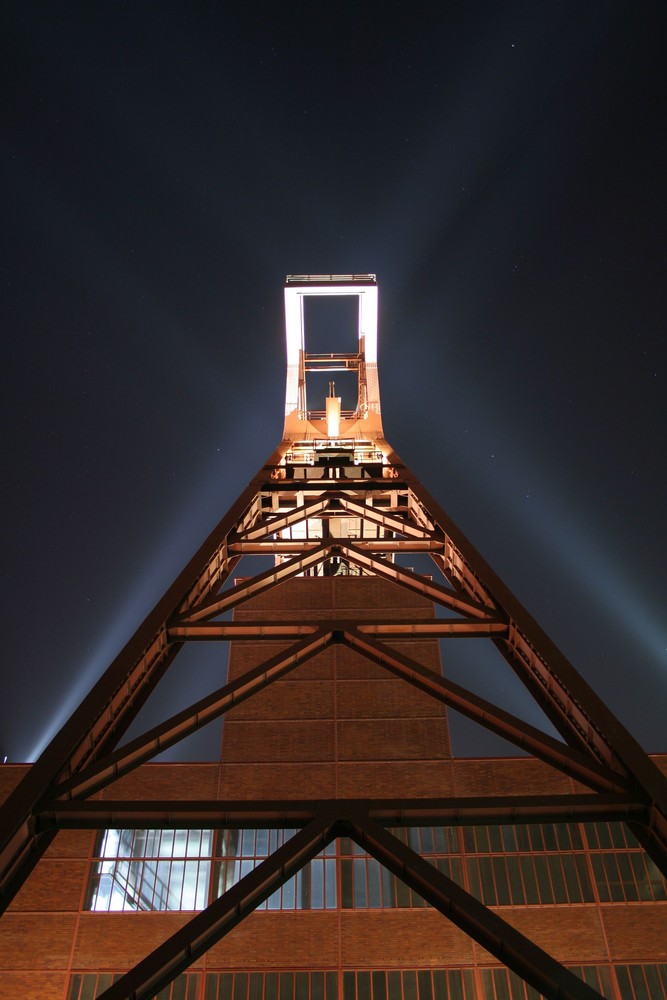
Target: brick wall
{"type": "Point", "coordinates": [337, 725]}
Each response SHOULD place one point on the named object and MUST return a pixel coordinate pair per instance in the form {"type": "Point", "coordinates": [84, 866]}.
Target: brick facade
{"type": "Point", "coordinates": [335, 726]}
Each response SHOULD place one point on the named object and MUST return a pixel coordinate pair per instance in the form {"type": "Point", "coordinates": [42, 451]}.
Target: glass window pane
{"type": "Point", "coordinates": [543, 880]}
{"type": "Point", "coordinates": [441, 990]}
{"type": "Point", "coordinates": [271, 986]}
{"type": "Point", "coordinates": [428, 840]}
{"type": "Point", "coordinates": [374, 891]}
{"type": "Point", "coordinates": [241, 986]}
{"type": "Point", "coordinates": [409, 986]}
{"type": "Point", "coordinates": [513, 870]}
{"type": "Point", "coordinates": [178, 988]}
{"type": "Point", "coordinates": [510, 842]}
{"type": "Point", "coordinates": [346, 883]}
{"type": "Point", "coordinates": [302, 986]}
{"type": "Point", "coordinates": [474, 880]}
{"type": "Point", "coordinates": [363, 986]}
{"type": "Point", "coordinates": [256, 985]}
{"type": "Point", "coordinates": [424, 985]}
{"type": "Point", "coordinates": [286, 986]}
{"type": "Point", "coordinates": [402, 893]}
{"type": "Point", "coordinates": [330, 876]}
{"type": "Point", "coordinates": [332, 985]}
{"type": "Point", "coordinates": [600, 879]}
{"type": "Point", "coordinates": [360, 897]}
{"type": "Point", "coordinates": [225, 986]}
{"type": "Point", "coordinates": [486, 877]}
{"type": "Point", "coordinates": [316, 986]}
{"type": "Point", "coordinates": [379, 986]}
{"type": "Point", "coordinates": [394, 985]}
{"type": "Point", "coordinates": [502, 880]}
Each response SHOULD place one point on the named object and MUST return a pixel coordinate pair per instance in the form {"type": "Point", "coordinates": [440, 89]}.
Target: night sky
{"type": "Point", "coordinates": [500, 166]}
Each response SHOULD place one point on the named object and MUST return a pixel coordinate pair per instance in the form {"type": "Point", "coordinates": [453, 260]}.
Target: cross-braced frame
{"type": "Point", "coordinates": [349, 508]}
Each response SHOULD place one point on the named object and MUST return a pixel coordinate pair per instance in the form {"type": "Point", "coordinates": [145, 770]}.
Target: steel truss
{"type": "Point", "coordinates": [279, 513]}
{"type": "Point", "coordinates": [392, 514]}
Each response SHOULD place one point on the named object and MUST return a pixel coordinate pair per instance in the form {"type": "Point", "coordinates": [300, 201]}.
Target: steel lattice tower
{"type": "Point", "coordinates": [335, 500]}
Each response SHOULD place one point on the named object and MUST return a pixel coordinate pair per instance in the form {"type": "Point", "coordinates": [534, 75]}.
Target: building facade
{"type": "Point", "coordinates": [345, 926]}
{"type": "Point", "coordinates": [336, 850]}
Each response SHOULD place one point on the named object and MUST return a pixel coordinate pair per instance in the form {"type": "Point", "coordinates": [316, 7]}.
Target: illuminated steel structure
{"type": "Point", "coordinates": [334, 500]}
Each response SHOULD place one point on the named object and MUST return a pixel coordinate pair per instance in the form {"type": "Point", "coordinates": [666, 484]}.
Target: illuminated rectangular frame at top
{"type": "Point", "coordinates": [297, 287]}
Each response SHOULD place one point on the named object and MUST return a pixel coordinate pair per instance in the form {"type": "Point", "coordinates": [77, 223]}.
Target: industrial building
{"type": "Point", "coordinates": [337, 848]}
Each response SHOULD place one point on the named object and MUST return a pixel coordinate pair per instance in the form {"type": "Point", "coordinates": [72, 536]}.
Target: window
{"type": "Point", "coordinates": [271, 986]}
{"type": "Point", "coordinates": [500, 865]}
{"type": "Point", "coordinates": [312, 888]}
{"type": "Point", "coordinates": [88, 985]}
{"type": "Point", "coordinates": [642, 982]}
{"type": "Point", "coordinates": [529, 879]}
{"type": "Point", "coordinates": [522, 838]}
{"type": "Point", "coordinates": [151, 870]}
{"type": "Point", "coordinates": [366, 884]}
{"type": "Point", "coordinates": [185, 869]}
{"type": "Point", "coordinates": [410, 984]}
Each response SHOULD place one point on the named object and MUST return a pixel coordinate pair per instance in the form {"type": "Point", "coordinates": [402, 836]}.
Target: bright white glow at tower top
{"type": "Point", "coordinates": [298, 286]}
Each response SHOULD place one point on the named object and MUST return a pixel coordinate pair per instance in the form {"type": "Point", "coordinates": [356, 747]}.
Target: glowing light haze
{"type": "Point", "coordinates": [500, 167]}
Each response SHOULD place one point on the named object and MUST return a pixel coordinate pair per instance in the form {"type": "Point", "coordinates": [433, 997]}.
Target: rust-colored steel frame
{"type": "Point", "coordinates": [394, 515]}
{"type": "Point", "coordinates": [351, 819]}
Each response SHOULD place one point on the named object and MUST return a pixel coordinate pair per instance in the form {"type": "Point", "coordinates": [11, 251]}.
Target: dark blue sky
{"type": "Point", "coordinates": [499, 166]}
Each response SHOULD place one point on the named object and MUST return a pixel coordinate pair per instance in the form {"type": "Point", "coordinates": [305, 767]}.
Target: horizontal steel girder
{"type": "Point", "coordinates": [294, 546]}
{"type": "Point", "coordinates": [278, 814]}
{"type": "Point", "coordinates": [282, 631]}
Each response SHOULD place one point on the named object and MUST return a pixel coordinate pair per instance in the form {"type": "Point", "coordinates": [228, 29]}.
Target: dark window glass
{"type": "Point", "coordinates": [211, 988]}
{"type": "Point", "coordinates": [409, 986]}
{"type": "Point", "coordinates": [346, 883]}
{"type": "Point", "coordinates": [557, 880]}
{"type": "Point", "coordinates": [74, 988]}
{"type": "Point", "coordinates": [499, 866]}
{"type": "Point", "coordinates": [517, 893]}
{"type": "Point", "coordinates": [241, 986]}
{"type": "Point", "coordinates": [302, 987]}
{"type": "Point", "coordinates": [394, 985]}
{"type": "Point", "coordinates": [286, 986]}
{"type": "Point", "coordinates": [256, 985]}
{"type": "Point", "coordinates": [441, 990]}
{"type": "Point", "coordinates": [89, 987]}
{"type": "Point", "coordinates": [316, 986]}
{"type": "Point", "coordinates": [543, 881]}
{"type": "Point", "coordinates": [332, 985]}
{"type": "Point", "coordinates": [363, 986]}
{"type": "Point", "coordinates": [486, 878]}
{"type": "Point", "coordinates": [402, 893]}
{"type": "Point", "coordinates": [360, 895]}
{"type": "Point", "coordinates": [531, 893]}
{"type": "Point", "coordinates": [271, 986]}
{"type": "Point", "coordinates": [424, 984]}
{"type": "Point", "coordinates": [379, 986]}
{"type": "Point", "coordinates": [374, 889]}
